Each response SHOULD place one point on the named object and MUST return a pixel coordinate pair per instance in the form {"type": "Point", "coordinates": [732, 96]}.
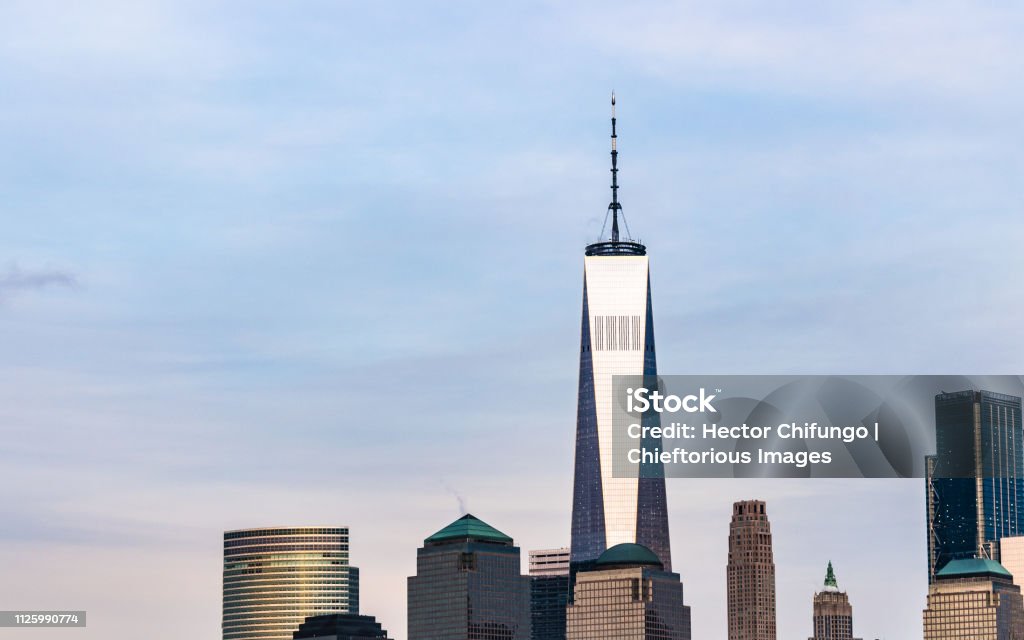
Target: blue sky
{"type": "Point", "coordinates": [320, 262]}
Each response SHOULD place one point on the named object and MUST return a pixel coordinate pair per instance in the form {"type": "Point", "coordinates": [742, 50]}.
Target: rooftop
{"type": "Point", "coordinates": [469, 527]}
{"type": "Point", "coordinates": [972, 567]}
{"type": "Point", "coordinates": [628, 554]}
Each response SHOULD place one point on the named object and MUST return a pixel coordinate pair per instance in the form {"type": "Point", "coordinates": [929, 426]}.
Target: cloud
{"type": "Point", "coordinates": [16, 280]}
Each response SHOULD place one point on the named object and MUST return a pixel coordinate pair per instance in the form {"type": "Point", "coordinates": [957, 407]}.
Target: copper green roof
{"type": "Point", "coordinates": [972, 567]}
{"type": "Point", "coordinates": [628, 553]}
{"type": "Point", "coordinates": [469, 527]}
{"type": "Point", "coordinates": [830, 576]}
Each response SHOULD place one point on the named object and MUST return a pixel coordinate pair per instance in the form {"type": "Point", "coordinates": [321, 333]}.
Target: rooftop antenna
{"type": "Point", "coordinates": [614, 207]}
{"type": "Point", "coordinates": [616, 244]}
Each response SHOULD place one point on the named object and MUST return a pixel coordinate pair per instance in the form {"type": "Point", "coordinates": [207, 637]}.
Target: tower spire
{"type": "Point", "coordinates": [830, 577]}
{"type": "Point", "coordinates": [614, 206]}
{"type": "Point", "coordinates": [617, 244]}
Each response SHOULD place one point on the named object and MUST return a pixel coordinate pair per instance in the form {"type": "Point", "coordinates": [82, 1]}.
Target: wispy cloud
{"type": "Point", "coordinates": [16, 280]}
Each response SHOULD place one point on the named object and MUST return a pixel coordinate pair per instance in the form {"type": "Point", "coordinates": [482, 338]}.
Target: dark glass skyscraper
{"type": "Point", "coordinates": [468, 586]}
{"type": "Point", "coordinates": [975, 493]}
{"type": "Point", "coordinates": [617, 339]}
{"type": "Point", "coordinates": [549, 593]}
{"type": "Point", "coordinates": [341, 626]}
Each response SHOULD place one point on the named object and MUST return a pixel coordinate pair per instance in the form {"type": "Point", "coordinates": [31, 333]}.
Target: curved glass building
{"type": "Point", "coordinates": [274, 578]}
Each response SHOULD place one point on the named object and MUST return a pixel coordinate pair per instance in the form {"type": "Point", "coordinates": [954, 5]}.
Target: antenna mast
{"type": "Point", "coordinates": [615, 207]}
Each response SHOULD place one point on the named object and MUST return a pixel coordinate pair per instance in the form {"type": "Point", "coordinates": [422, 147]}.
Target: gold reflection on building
{"type": "Point", "coordinates": [274, 578]}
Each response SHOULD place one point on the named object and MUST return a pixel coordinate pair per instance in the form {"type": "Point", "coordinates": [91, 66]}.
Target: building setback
{"type": "Point", "coordinates": [833, 615]}
{"type": "Point", "coordinates": [750, 573]}
{"type": "Point", "coordinates": [627, 594]}
{"type": "Point", "coordinates": [468, 586]}
{"type": "Point", "coordinates": [973, 598]}
{"type": "Point", "coordinates": [274, 578]}
{"type": "Point", "coordinates": [549, 593]}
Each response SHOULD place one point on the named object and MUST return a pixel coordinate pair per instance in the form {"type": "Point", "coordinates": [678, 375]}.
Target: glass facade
{"type": "Point", "coordinates": [549, 593]}
{"type": "Point", "coordinates": [976, 479]}
{"type": "Point", "coordinates": [617, 338]}
{"type": "Point", "coordinates": [341, 626]}
{"type": "Point", "coordinates": [750, 573]}
{"type": "Point", "coordinates": [274, 578]}
{"type": "Point", "coordinates": [468, 588]}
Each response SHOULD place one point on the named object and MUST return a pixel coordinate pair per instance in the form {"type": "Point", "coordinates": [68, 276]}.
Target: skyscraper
{"type": "Point", "coordinates": [1011, 556]}
{"type": "Point", "coordinates": [617, 339]}
{"type": "Point", "coordinates": [833, 615]}
{"type": "Point", "coordinates": [626, 593]}
{"type": "Point", "coordinates": [973, 598]}
{"type": "Point", "coordinates": [274, 578]}
{"type": "Point", "coordinates": [976, 479]}
{"type": "Point", "coordinates": [750, 573]}
{"type": "Point", "coordinates": [549, 593]}
{"type": "Point", "coordinates": [468, 586]}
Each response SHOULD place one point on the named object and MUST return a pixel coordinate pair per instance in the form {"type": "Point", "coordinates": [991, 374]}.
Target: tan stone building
{"type": "Point", "coordinates": [833, 614]}
{"type": "Point", "coordinates": [1011, 556]}
{"type": "Point", "coordinates": [974, 598]}
{"type": "Point", "coordinates": [626, 595]}
{"type": "Point", "coordinates": [750, 573]}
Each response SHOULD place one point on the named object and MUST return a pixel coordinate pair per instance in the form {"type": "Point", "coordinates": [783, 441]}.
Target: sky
{"type": "Point", "coordinates": [268, 263]}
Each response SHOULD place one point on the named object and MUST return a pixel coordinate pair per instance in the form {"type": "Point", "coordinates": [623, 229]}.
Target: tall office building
{"type": "Point", "coordinates": [1011, 556]}
{"type": "Point", "coordinates": [975, 484]}
{"type": "Point", "coordinates": [549, 593]}
{"type": "Point", "coordinates": [833, 615]}
{"type": "Point", "coordinates": [973, 598]}
{"type": "Point", "coordinates": [468, 586]}
{"type": "Point", "coordinates": [750, 573]}
{"type": "Point", "coordinates": [617, 339]}
{"type": "Point", "coordinates": [627, 594]}
{"type": "Point", "coordinates": [274, 578]}
{"type": "Point", "coordinates": [341, 626]}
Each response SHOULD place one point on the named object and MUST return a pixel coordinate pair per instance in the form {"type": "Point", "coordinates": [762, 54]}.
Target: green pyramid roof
{"type": "Point", "coordinates": [972, 567]}
{"type": "Point", "coordinates": [830, 576]}
{"type": "Point", "coordinates": [628, 553]}
{"type": "Point", "coordinates": [469, 527]}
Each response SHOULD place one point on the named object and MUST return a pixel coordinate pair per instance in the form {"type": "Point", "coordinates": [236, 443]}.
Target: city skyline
{"type": "Point", "coordinates": [223, 229]}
